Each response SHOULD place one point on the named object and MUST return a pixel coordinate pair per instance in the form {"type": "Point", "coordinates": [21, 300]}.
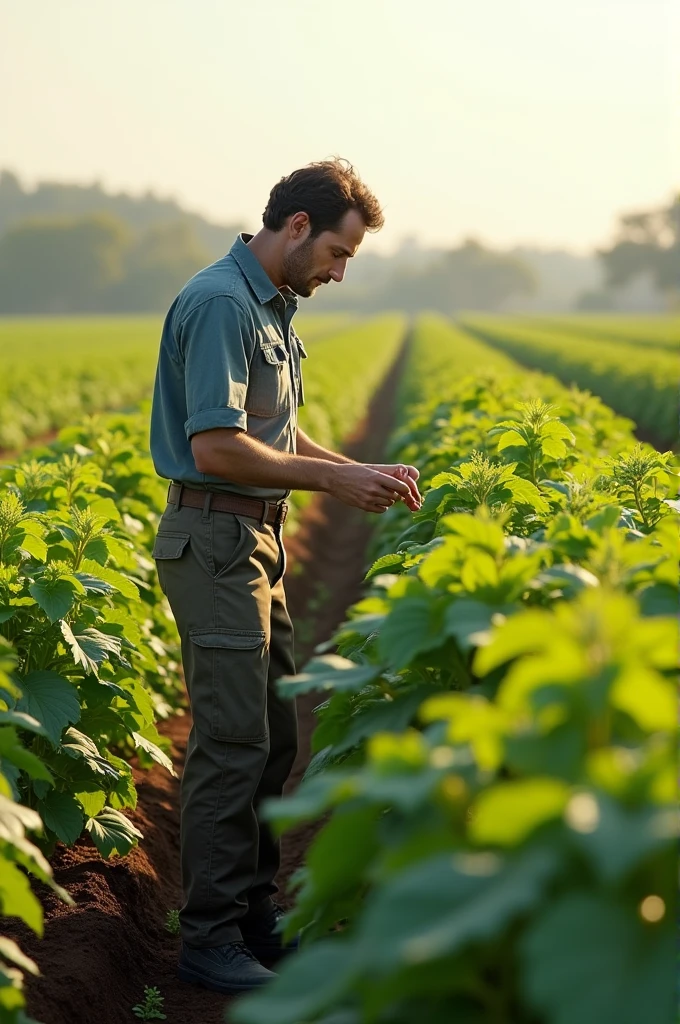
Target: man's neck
{"type": "Point", "coordinates": [264, 245]}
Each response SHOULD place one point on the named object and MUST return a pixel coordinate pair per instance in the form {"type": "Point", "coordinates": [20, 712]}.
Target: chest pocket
{"type": "Point", "coordinates": [269, 383]}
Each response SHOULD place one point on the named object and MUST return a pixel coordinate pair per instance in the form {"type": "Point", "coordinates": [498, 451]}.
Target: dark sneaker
{"type": "Point", "coordinates": [260, 934]}
{"type": "Point", "coordinates": [230, 968]}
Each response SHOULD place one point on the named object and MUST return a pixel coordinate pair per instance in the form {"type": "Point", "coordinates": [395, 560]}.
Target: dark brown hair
{"type": "Point", "coordinates": [325, 191]}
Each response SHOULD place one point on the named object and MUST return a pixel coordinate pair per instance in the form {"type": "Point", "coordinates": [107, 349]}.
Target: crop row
{"type": "Point", "coordinates": [637, 381]}
{"type": "Point", "coordinates": [56, 371]}
{"type": "Point", "coordinates": [494, 758]}
{"type": "Point", "coordinates": [658, 331]}
{"type": "Point", "coordinates": [89, 656]}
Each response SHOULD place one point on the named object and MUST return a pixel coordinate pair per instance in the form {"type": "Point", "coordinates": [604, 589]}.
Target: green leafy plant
{"type": "Point", "coordinates": [172, 922]}
{"type": "Point", "coordinates": [494, 758]}
{"type": "Point", "coordinates": [637, 380]}
{"type": "Point", "coordinates": [151, 1008]}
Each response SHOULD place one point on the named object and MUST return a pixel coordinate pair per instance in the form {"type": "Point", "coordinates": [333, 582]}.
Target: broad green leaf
{"type": "Point", "coordinates": [329, 672]}
{"type": "Point", "coordinates": [520, 634]}
{"type": "Point", "coordinates": [115, 579]}
{"type": "Point", "coordinates": [62, 813]}
{"type": "Point", "coordinates": [153, 750]}
{"type": "Point", "coordinates": [77, 745]}
{"type": "Point", "coordinates": [52, 700]}
{"type": "Point", "coordinates": [16, 896]}
{"type": "Point", "coordinates": [340, 853]}
{"type": "Point", "coordinates": [508, 812]}
{"type": "Point", "coordinates": [14, 751]}
{"type": "Point", "coordinates": [555, 428]}
{"type": "Point", "coordinates": [15, 818]}
{"type": "Point", "coordinates": [646, 696]}
{"type": "Point", "coordinates": [393, 715]}
{"type": "Point", "coordinates": [588, 960]}
{"type": "Point", "coordinates": [35, 547]}
{"type": "Point", "coordinates": [93, 584]}
{"type": "Point", "coordinates": [312, 797]}
{"type": "Point", "coordinates": [477, 531]}
{"type": "Point", "coordinates": [141, 701]}
{"type": "Point", "coordinates": [112, 832]}
{"type": "Point", "coordinates": [443, 904]}
{"type": "Point", "coordinates": [92, 802]}
{"type": "Point", "coordinates": [408, 630]}
{"type": "Point", "coordinates": [106, 508]}
{"type": "Point", "coordinates": [469, 622]}
{"type": "Point", "coordinates": [91, 647]}
{"type": "Point", "coordinates": [11, 952]}
{"type": "Point", "coordinates": [123, 794]}
{"type": "Point", "coordinates": [509, 439]}
{"type": "Point", "coordinates": [527, 493]}
{"type": "Point", "coordinates": [624, 837]}
{"type": "Point", "coordinates": [388, 563]}
{"type": "Point", "coordinates": [55, 597]}
{"type": "Point", "coordinates": [22, 721]}
{"type": "Point", "coordinates": [553, 447]}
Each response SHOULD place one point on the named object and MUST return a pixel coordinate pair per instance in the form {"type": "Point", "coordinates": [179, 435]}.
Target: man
{"type": "Point", "coordinates": [224, 430]}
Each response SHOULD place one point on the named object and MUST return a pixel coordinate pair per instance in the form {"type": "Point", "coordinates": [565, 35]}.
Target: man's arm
{"type": "Point", "coordinates": [240, 458]}
{"type": "Point", "coordinates": [409, 474]}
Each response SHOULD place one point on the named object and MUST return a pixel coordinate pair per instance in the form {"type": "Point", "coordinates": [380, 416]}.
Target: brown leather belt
{"type": "Point", "coordinates": [219, 501]}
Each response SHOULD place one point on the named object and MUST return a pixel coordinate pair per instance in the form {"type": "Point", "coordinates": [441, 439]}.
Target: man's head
{"type": "Point", "coordinates": [321, 212]}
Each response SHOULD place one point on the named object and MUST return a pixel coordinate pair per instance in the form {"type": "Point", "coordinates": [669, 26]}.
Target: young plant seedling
{"type": "Point", "coordinates": [151, 1008]}
{"type": "Point", "coordinates": [172, 922]}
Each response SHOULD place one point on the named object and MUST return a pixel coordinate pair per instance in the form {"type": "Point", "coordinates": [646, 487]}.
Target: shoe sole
{"type": "Point", "coordinates": [194, 978]}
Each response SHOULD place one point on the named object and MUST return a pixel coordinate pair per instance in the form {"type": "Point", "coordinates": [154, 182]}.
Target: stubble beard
{"type": "Point", "coordinates": [297, 266]}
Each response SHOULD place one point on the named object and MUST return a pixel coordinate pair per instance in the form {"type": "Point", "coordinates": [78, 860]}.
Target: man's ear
{"type": "Point", "coordinates": [299, 226]}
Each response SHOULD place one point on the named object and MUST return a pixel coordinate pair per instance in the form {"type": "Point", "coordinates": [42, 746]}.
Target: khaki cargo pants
{"type": "Point", "coordinates": [222, 574]}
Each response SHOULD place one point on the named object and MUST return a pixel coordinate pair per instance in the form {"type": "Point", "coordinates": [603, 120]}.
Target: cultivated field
{"type": "Point", "coordinates": [488, 800]}
{"type": "Point", "coordinates": [638, 378]}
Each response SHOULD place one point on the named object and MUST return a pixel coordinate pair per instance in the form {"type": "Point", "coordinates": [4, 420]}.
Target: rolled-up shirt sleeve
{"type": "Point", "coordinates": [216, 343]}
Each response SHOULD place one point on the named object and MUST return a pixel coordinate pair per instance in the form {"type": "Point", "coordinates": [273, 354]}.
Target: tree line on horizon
{"type": "Point", "coordinates": [68, 248]}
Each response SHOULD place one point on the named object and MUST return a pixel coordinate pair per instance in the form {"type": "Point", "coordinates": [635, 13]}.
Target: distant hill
{"type": "Point", "coordinates": [140, 213]}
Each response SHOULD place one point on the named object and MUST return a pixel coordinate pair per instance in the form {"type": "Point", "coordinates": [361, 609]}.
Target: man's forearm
{"type": "Point", "coordinates": [311, 450]}
{"type": "Point", "coordinates": [240, 458]}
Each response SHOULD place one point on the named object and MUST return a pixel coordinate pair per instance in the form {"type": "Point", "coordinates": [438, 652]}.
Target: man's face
{"type": "Point", "coordinates": [313, 261]}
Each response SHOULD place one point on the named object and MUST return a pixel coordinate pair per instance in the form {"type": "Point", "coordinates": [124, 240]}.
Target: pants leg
{"type": "Point", "coordinates": [283, 743]}
{"type": "Point", "coordinates": [217, 571]}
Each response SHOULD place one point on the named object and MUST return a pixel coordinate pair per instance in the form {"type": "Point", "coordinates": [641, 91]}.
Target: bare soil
{"type": "Point", "coordinates": [97, 956]}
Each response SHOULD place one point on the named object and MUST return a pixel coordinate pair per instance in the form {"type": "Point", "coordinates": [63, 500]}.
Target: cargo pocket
{"type": "Point", "coordinates": [233, 663]}
{"type": "Point", "coordinates": [168, 547]}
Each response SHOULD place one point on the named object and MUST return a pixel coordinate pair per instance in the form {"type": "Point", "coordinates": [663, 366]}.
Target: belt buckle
{"type": "Point", "coordinates": [281, 514]}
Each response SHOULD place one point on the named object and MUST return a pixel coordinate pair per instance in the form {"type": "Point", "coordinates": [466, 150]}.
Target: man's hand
{"type": "Point", "coordinates": [366, 487]}
{"type": "Point", "coordinates": [409, 474]}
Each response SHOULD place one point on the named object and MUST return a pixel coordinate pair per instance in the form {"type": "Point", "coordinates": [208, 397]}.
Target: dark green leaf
{"type": "Point", "coordinates": [112, 832]}
{"type": "Point", "coordinates": [52, 700]}
{"type": "Point", "coordinates": [62, 813]}
{"type": "Point", "coordinates": [588, 960]}
{"type": "Point", "coordinates": [329, 672]}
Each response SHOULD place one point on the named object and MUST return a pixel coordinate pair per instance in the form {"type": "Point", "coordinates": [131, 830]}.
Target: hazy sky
{"type": "Point", "coordinates": [513, 120]}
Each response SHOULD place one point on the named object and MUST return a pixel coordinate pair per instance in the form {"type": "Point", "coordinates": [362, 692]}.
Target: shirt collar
{"type": "Point", "coordinates": [252, 269]}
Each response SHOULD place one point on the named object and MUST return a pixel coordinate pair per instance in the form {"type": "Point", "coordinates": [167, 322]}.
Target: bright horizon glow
{"type": "Point", "coordinates": [533, 122]}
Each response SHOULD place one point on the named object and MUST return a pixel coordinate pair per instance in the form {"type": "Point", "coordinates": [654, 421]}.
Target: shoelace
{"type": "Point", "coordinates": [240, 947]}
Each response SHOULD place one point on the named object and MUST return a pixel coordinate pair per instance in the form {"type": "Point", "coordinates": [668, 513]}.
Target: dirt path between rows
{"type": "Point", "coordinates": [97, 956]}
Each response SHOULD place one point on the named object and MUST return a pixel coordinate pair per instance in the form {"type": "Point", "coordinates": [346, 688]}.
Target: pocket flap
{"type": "Point", "coordinates": [170, 545]}
{"type": "Point", "coordinates": [274, 354]}
{"type": "Point", "coordinates": [303, 350]}
{"type": "Point", "coordinates": [234, 639]}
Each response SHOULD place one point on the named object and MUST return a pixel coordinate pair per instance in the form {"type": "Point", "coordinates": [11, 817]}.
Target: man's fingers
{"type": "Point", "coordinates": [393, 485]}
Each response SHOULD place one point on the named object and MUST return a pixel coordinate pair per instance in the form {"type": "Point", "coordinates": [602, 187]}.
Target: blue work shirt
{"type": "Point", "coordinates": [229, 357]}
